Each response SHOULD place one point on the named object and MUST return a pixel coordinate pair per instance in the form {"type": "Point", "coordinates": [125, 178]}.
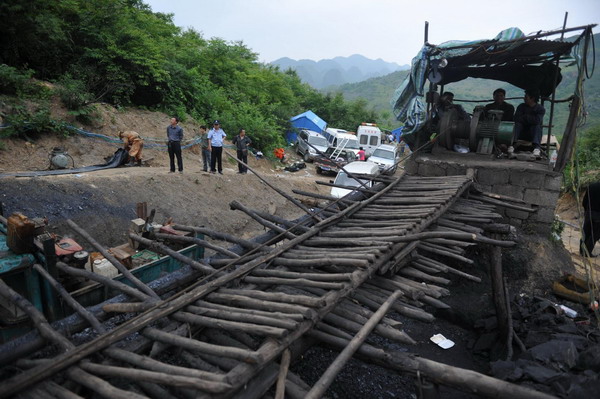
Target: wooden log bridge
{"type": "Point", "coordinates": [237, 321]}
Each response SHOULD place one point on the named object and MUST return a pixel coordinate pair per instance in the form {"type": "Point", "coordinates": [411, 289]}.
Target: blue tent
{"type": "Point", "coordinates": [308, 120]}
{"type": "Point", "coordinates": [397, 133]}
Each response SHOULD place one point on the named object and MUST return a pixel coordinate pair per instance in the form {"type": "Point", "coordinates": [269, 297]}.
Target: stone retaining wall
{"type": "Point", "coordinates": [533, 183]}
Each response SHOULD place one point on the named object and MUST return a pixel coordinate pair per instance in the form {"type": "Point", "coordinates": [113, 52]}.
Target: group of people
{"type": "Point", "coordinates": [528, 116]}
{"type": "Point", "coordinates": [211, 142]}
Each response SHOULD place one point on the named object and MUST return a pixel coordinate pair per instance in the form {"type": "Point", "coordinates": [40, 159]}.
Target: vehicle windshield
{"type": "Point", "coordinates": [317, 141]}
{"type": "Point", "coordinates": [381, 153]}
{"type": "Point", "coordinates": [344, 180]}
{"type": "Point", "coordinates": [352, 144]}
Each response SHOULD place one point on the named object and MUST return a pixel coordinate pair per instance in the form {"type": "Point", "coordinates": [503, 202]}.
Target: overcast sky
{"type": "Point", "coordinates": [392, 30]}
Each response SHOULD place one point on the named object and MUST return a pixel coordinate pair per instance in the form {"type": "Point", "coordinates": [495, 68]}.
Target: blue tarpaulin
{"type": "Point", "coordinates": [397, 133]}
{"type": "Point", "coordinates": [308, 120]}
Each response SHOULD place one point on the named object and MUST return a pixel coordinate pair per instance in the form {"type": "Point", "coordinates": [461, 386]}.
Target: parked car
{"type": "Point", "coordinates": [364, 171]}
{"type": "Point", "coordinates": [386, 156]}
{"type": "Point", "coordinates": [327, 164]}
{"type": "Point", "coordinates": [306, 137]}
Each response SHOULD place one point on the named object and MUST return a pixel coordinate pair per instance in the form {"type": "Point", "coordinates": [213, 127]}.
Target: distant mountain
{"type": "Point", "coordinates": [339, 70]}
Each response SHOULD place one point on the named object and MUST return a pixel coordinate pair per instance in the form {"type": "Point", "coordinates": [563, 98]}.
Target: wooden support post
{"type": "Point", "coordinates": [285, 364]}
{"type": "Point", "coordinates": [333, 370]}
{"type": "Point", "coordinates": [498, 293]}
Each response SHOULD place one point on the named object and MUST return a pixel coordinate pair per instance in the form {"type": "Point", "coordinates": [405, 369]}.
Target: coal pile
{"type": "Point", "coordinates": [553, 353]}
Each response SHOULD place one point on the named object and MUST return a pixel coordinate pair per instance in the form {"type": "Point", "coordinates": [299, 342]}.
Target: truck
{"type": "Point", "coordinates": [369, 137]}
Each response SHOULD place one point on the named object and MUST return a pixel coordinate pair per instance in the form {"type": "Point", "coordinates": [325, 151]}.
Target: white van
{"type": "Point", "coordinates": [336, 137]}
{"type": "Point", "coordinates": [306, 137]}
{"type": "Point", "coordinates": [386, 156]}
{"type": "Point", "coordinates": [369, 137]}
{"type": "Point", "coordinates": [364, 171]}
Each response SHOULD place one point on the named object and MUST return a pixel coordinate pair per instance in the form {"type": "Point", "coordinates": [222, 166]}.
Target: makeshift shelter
{"type": "Point", "coordinates": [528, 62]}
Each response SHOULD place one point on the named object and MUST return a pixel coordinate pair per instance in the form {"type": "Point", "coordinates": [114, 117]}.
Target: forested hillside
{"type": "Point", "coordinates": [122, 53]}
{"type": "Point", "coordinates": [378, 92]}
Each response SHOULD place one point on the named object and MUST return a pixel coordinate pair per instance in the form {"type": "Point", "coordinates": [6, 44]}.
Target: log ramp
{"type": "Point", "coordinates": [229, 326]}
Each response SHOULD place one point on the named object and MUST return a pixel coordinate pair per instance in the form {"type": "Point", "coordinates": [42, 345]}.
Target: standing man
{"type": "Point", "coordinates": [174, 137]}
{"type": "Point", "coordinates": [242, 142]}
{"type": "Point", "coordinates": [205, 148]}
{"type": "Point", "coordinates": [528, 122]}
{"type": "Point", "coordinates": [133, 144]}
{"type": "Point", "coordinates": [215, 145]}
{"type": "Point", "coordinates": [500, 105]}
{"type": "Point", "coordinates": [591, 219]}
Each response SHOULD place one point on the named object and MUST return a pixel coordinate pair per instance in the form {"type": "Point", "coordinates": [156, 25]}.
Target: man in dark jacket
{"type": "Point", "coordinates": [591, 219]}
{"type": "Point", "coordinates": [508, 111]}
{"type": "Point", "coordinates": [528, 121]}
{"type": "Point", "coordinates": [174, 137]}
{"type": "Point", "coordinates": [241, 142]}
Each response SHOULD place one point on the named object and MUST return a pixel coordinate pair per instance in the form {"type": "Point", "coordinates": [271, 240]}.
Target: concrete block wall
{"type": "Point", "coordinates": [539, 187]}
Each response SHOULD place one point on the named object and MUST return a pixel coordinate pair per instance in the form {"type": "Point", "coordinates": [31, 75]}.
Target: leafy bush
{"type": "Point", "coordinates": [24, 122]}
{"type": "Point", "coordinates": [73, 92]}
{"type": "Point", "coordinates": [16, 82]}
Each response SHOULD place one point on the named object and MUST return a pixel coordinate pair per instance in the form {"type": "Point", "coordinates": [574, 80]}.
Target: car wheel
{"type": "Point", "coordinates": [306, 157]}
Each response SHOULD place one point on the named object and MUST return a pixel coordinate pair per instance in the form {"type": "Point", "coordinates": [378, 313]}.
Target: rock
{"type": "Point", "coordinates": [562, 353]}
{"type": "Point", "coordinates": [589, 359]}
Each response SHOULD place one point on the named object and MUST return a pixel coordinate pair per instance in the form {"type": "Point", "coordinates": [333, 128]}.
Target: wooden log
{"type": "Point", "coordinates": [303, 300]}
{"type": "Point", "coordinates": [156, 377]}
{"type": "Point", "coordinates": [285, 364]}
{"type": "Point", "coordinates": [354, 327]}
{"type": "Point", "coordinates": [308, 276]}
{"type": "Point", "coordinates": [442, 221]}
{"type": "Point", "coordinates": [429, 289]}
{"type": "Point", "coordinates": [202, 347]}
{"type": "Point", "coordinates": [236, 205]}
{"type": "Point", "coordinates": [242, 317]}
{"type": "Point", "coordinates": [454, 250]}
{"type": "Point", "coordinates": [259, 304]}
{"type": "Point", "coordinates": [400, 258]}
{"type": "Point", "coordinates": [100, 386]}
{"type": "Point", "coordinates": [148, 363]}
{"type": "Point", "coordinates": [275, 315]}
{"type": "Point", "coordinates": [212, 322]}
{"type": "Point", "coordinates": [504, 204]}
{"type": "Point", "coordinates": [222, 262]}
{"type": "Point", "coordinates": [163, 249]}
{"type": "Point", "coordinates": [175, 328]}
{"type": "Point", "coordinates": [424, 268]}
{"type": "Point", "coordinates": [76, 306]}
{"type": "Point", "coordinates": [154, 391]}
{"type": "Point", "coordinates": [412, 272]}
{"type": "Point", "coordinates": [59, 391]}
{"type": "Point", "coordinates": [37, 318]}
{"type": "Point", "coordinates": [323, 196]}
{"type": "Point", "coordinates": [445, 253]}
{"type": "Point", "coordinates": [343, 242]}
{"type": "Point", "coordinates": [220, 236]}
{"type": "Point", "coordinates": [293, 281]}
{"type": "Point", "coordinates": [280, 192]}
{"type": "Point", "coordinates": [197, 241]}
{"type": "Point", "coordinates": [133, 307]}
{"type": "Point", "coordinates": [362, 233]}
{"type": "Point", "coordinates": [296, 228]}
{"type": "Point", "coordinates": [498, 291]}
{"type": "Point", "coordinates": [108, 282]}
{"type": "Point", "coordinates": [401, 308]}
{"type": "Point", "coordinates": [347, 262]}
{"type": "Point", "coordinates": [449, 269]}
{"type": "Point", "coordinates": [333, 370]}
{"type": "Point", "coordinates": [120, 267]}
{"type": "Point", "coordinates": [465, 380]}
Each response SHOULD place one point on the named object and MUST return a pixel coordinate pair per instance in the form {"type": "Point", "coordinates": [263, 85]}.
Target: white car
{"type": "Point", "coordinates": [386, 157]}
{"type": "Point", "coordinates": [365, 171]}
{"type": "Point", "coordinates": [308, 152]}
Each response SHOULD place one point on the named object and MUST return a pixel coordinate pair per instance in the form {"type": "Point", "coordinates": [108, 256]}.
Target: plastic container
{"type": "Point", "coordinates": [20, 233]}
{"type": "Point", "coordinates": [104, 268]}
